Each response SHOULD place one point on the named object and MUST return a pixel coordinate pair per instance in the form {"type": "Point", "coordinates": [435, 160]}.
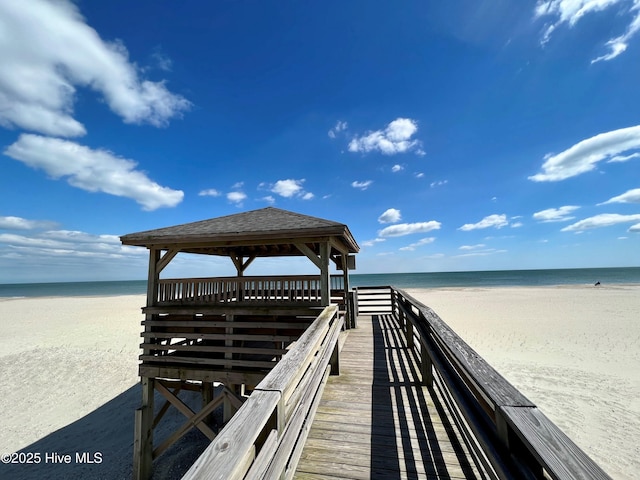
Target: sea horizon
{"type": "Point", "coordinates": [484, 278]}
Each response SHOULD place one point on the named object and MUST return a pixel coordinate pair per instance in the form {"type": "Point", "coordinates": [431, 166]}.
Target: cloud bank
{"type": "Point", "coordinates": [92, 170]}
{"type": "Point", "coordinates": [570, 12]}
{"type": "Point", "coordinates": [585, 155]}
{"type": "Point", "coordinates": [48, 51]}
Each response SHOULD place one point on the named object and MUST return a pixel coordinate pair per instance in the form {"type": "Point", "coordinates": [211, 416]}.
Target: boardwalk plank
{"type": "Point", "coordinates": [376, 420]}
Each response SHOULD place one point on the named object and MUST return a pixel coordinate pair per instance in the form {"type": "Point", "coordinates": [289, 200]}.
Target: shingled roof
{"type": "Point", "coordinates": [247, 233]}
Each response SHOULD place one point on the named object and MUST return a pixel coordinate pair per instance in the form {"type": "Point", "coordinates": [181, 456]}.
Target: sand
{"type": "Point", "coordinates": [572, 350]}
{"type": "Point", "coordinates": [70, 385]}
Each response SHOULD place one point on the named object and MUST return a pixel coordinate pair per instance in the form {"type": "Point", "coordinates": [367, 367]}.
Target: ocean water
{"type": "Point", "coordinates": [503, 278]}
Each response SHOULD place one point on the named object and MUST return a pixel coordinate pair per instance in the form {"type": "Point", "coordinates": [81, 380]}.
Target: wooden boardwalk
{"type": "Point", "coordinates": [376, 420]}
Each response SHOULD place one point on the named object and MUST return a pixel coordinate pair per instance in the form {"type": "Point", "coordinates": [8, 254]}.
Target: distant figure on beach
{"type": "Point", "coordinates": [597, 283]}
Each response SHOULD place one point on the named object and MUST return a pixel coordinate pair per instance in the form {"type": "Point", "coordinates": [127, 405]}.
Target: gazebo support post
{"type": "Point", "coordinates": [325, 286]}
{"type": "Point", "coordinates": [143, 441]}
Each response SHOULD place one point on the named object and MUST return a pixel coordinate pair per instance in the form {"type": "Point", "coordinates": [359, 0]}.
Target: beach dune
{"type": "Point", "coordinates": [70, 385]}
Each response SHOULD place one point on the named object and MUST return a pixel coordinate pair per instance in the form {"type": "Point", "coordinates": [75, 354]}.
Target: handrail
{"type": "Point", "coordinates": [246, 288]}
{"type": "Point", "coordinates": [515, 436]}
{"type": "Point", "coordinates": [264, 439]}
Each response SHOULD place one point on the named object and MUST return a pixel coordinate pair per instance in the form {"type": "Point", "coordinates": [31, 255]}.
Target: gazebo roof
{"type": "Point", "coordinates": [265, 232]}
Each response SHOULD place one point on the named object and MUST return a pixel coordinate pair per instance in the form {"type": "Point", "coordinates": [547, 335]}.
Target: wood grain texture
{"type": "Point", "coordinates": [376, 420]}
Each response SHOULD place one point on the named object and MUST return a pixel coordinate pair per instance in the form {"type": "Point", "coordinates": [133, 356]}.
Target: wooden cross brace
{"type": "Point", "coordinates": [193, 419]}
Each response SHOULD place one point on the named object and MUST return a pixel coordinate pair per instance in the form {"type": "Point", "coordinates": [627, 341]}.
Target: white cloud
{"type": "Point", "coordinates": [572, 11]}
{"type": "Point", "coordinates": [394, 139]}
{"type": "Point", "coordinates": [635, 228]}
{"type": "Point", "coordinates": [630, 196]}
{"type": "Point", "coordinates": [397, 168]}
{"type": "Point", "coordinates": [480, 253]}
{"type": "Point", "coordinates": [438, 183]}
{"type": "Point", "coordinates": [18, 223]}
{"type": "Point", "coordinates": [583, 156]}
{"type": "Point", "coordinates": [413, 246]}
{"type": "Point", "coordinates": [390, 215]}
{"type": "Point", "coordinates": [371, 243]}
{"type": "Point", "coordinates": [602, 220]}
{"type": "Point", "coordinates": [92, 170]}
{"type": "Point", "coordinates": [48, 50]}
{"type": "Point", "coordinates": [340, 127]}
{"type": "Point", "coordinates": [402, 229]}
{"type": "Point", "coordinates": [623, 158]}
{"type": "Point", "coordinates": [496, 221]}
{"type": "Point", "coordinates": [211, 192]}
{"type": "Point", "coordinates": [63, 244]}
{"type": "Point", "coordinates": [561, 214]}
{"type": "Point", "coordinates": [291, 188]}
{"type": "Point", "coordinates": [472, 247]}
{"type": "Point", "coordinates": [236, 197]}
{"type": "Point", "coordinates": [362, 185]}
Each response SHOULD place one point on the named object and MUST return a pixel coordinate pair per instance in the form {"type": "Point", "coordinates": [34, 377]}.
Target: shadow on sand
{"type": "Point", "coordinates": [105, 438]}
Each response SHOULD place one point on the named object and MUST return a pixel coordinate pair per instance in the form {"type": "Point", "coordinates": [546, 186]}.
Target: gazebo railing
{"type": "Point", "coordinates": [225, 290]}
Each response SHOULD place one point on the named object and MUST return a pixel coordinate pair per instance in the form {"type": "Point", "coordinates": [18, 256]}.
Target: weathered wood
{"type": "Point", "coordinates": [297, 382]}
{"type": "Point", "coordinates": [300, 325]}
{"type": "Point", "coordinates": [511, 423]}
{"type": "Point", "coordinates": [234, 445]}
{"type": "Point", "coordinates": [215, 349]}
{"type": "Point", "coordinates": [226, 362]}
{"type": "Point", "coordinates": [287, 374]}
{"type": "Point", "coordinates": [297, 308]}
{"type": "Point", "coordinates": [556, 452]}
{"type": "Point", "coordinates": [376, 420]}
{"type": "Point", "coordinates": [221, 336]}
{"type": "Point", "coordinates": [205, 374]}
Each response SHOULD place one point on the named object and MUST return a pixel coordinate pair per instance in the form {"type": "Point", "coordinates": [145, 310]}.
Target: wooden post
{"type": "Point", "coordinates": [334, 361]}
{"type": "Point", "coordinates": [324, 274]}
{"type": "Point", "coordinates": [349, 323]}
{"type": "Point", "coordinates": [143, 431]}
{"type": "Point", "coordinates": [426, 365]}
{"type": "Point", "coordinates": [207, 397]}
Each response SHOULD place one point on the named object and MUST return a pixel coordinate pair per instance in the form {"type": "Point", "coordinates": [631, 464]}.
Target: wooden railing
{"type": "Point", "coordinates": [264, 439]}
{"type": "Point", "coordinates": [224, 290]}
{"type": "Point", "coordinates": [511, 434]}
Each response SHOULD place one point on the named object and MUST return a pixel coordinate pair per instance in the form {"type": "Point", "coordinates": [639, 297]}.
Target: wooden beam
{"type": "Point", "coordinates": [317, 261]}
{"type": "Point", "coordinates": [240, 263]}
{"type": "Point", "coordinates": [166, 258]}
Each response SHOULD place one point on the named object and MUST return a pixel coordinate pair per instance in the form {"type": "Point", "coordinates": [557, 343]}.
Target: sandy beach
{"type": "Point", "coordinates": [573, 350]}
{"type": "Point", "coordinates": [69, 367]}
{"type": "Point", "coordinates": [70, 386]}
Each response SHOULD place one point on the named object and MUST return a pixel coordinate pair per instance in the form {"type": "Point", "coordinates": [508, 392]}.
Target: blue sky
{"type": "Point", "coordinates": [458, 135]}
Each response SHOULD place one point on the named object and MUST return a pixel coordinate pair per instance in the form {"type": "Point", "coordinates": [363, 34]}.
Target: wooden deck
{"type": "Point", "coordinates": [377, 421]}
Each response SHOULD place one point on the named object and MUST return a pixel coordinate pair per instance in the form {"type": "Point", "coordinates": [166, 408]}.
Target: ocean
{"type": "Point", "coordinates": [496, 278]}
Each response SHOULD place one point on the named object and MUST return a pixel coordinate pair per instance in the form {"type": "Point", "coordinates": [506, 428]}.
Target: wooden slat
{"type": "Point", "coordinates": [376, 420]}
{"type": "Point", "coordinates": [215, 349]}
{"type": "Point", "coordinates": [221, 336]}
{"type": "Point", "coordinates": [226, 362]}
{"type": "Point", "coordinates": [222, 324]}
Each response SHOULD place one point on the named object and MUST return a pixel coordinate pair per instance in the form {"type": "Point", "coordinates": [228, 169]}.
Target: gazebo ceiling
{"type": "Point", "coordinates": [262, 233]}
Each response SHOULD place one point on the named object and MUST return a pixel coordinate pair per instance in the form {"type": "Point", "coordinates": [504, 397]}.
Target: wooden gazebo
{"type": "Point", "coordinates": [231, 330]}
